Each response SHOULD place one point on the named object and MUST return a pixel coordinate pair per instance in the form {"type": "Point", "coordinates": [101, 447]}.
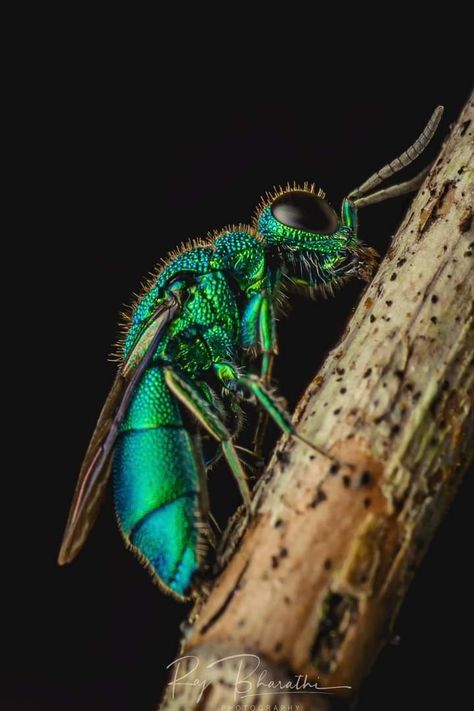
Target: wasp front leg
{"type": "Point", "coordinates": [259, 329]}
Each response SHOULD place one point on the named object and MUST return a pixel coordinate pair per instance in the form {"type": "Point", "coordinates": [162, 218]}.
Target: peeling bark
{"type": "Point", "coordinates": [315, 583]}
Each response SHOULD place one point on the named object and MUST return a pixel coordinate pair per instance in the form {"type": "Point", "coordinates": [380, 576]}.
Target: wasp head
{"type": "Point", "coordinates": [317, 247]}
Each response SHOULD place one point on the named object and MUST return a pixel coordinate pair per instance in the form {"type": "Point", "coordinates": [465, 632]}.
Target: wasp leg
{"type": "Point", "coordinates": [194, 401]}
{"type": "Point", "coordinates": [206, 530]}
{"type": "Point", "coordinates": [268, 344]}
{"type": "Point", "coordinates": [260, 331]}
{"type": "Point", "coordinates": [273, 405]}
{"type": "Point", "coordinates": [267, 334]}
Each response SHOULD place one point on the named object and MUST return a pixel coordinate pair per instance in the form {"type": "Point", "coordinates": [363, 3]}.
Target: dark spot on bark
{"type": "Point", "coordinates": [389, 302]}
{"type": "Point", "coordinates": [340, 371]}
{"type": "Point", "coordinates": [287, 600]}
{"type": "Point", "coordinates": [445, 385]}
{"type": "Point", "coordinates": [433, 319]}
{"type": "Point", "coordinates": [445, 247]}
{"type": "Point", "coordinates": [241, 622]}
{"type": "Point", "coordinates": [395, 429]}
{"type": "Point", "coordinates": [283, 457]}
{"type": "Point", "coordinates": [399, 373]}
{"type": "Point", "coordinates": [283, 552]}
{"type": "Point", "coordinates": [394, 276]}
{"type": "Point", "coordinates": [343, 390]}
{"type": "Point", "coordinates": [337, 411]}
{"type": "Point", "coordinates": [367, 373]}
{"type": "Point", "coordinates": [346, 481]}
{"type": "Point", "coordinates": [461, 170]}
{"type": "Point", "coordinates": [334, 468]}
{"type": "Point", "coordinates": [465, 222]}
{"type": "Point", "coordinates": [339, 613]}
{"type": "Point", "coordinates": [327, 564]}
{"type": "Point", "coordinates": [323, 666]}
{"type": "Point", "coordinates": [434, 299]}
{"type": "Point", "coordinates": [367, 502]}
{"type": "Point", "coordinates": [365, 478]}
{"type": "Point", "coordinates": [468, 253]}
{"type": "Point", "coordinates": [417, 395]}
{"type": "Point", "coordinates": [278, 646]}
{"type": "Point", "coordinates": [464, 127]}
{"type": "Point", "coordinates": [312, 457]}
{"type": "Point", "coordinates": [279, 523]}
{"type": "Point", "coordinates": [319, 497]}
{"type": "Point", "coordinates": [401, 262]}
{"type": "Point", "coordinates": [275, 562]}
{"type": "Point", "coordinates": [419, 498]}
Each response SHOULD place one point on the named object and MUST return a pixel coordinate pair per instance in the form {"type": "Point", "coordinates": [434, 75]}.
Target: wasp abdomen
{"type": "Point", "coordinates": [157, 484]}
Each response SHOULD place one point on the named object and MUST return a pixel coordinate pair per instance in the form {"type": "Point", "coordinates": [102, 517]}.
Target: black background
{"type": "Point", "coordinates": [122, 162]}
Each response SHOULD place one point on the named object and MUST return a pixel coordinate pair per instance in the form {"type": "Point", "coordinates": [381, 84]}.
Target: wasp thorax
{"type": "Point", "coordinates": [304, 211]}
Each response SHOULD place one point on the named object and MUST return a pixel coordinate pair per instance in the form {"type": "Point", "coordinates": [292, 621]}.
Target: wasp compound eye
{"type": "Point", "coordinates": [304, 211]}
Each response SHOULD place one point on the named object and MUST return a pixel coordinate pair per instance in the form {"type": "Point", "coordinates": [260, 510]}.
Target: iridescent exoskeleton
{"type": "Point", "coordinates": [200, 339]}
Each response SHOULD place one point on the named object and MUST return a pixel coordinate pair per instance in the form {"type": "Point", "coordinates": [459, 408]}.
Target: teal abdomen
{"type": "Point", "coordinates": [157, 484]}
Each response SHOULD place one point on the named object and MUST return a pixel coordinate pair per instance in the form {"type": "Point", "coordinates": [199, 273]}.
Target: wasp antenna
{"type": "Point", "coordinates": [393, 191]}
{"type": "Point", "coordinates": [404, 159]}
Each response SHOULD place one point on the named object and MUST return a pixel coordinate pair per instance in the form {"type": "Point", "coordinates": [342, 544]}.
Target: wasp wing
{"type": "Point", "coordinates": [95, 469]}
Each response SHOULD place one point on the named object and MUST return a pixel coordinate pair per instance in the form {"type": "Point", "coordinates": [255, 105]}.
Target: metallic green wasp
{"type": "Point", "coordinates": [205, 320]}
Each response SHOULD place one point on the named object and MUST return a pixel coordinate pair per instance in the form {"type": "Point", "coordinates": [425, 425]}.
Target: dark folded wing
{"type": "Point", "coordinates": [95, 469]}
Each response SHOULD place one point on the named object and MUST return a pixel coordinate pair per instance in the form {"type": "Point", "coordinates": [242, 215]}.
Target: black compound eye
{"type": "Point", "coordinates": [305, 211]}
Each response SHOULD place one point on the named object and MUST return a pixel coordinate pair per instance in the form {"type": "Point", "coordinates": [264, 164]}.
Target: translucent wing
{"type": "Point", "coordinates": [95, 470]}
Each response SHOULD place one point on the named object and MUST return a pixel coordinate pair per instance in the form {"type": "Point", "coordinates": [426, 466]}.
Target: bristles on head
{"type": "Point", "coordinates": [270, 196]}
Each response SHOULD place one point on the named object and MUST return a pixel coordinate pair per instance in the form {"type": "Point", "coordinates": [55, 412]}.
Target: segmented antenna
{"type": "Point", "coordinates": [404, 159]}
{"type": "Point", "coordinates": [393, 191]}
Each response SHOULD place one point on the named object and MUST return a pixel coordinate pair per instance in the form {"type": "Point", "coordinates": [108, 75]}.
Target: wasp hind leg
{"type": "Point", "coordinates": [205, 414]}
